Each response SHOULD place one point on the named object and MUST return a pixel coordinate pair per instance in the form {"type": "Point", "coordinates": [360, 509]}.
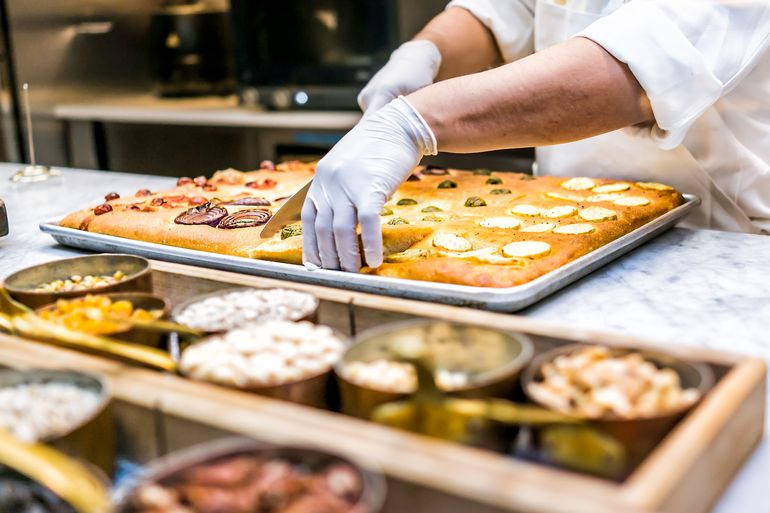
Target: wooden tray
{"type": "Point", "coordinates": [686, 473]}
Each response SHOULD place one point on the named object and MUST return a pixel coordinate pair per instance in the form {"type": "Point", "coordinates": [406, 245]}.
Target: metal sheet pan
{"type": "Point", "coordinates": [503, 299]}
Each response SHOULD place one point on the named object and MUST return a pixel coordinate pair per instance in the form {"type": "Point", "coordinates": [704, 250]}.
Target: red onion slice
{"type": "Point", "coordinates": [203, 214]}
{"type": "Point", "coordinates": [245, 219]}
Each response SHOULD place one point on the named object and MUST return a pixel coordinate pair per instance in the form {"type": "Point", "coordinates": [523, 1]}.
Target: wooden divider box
{"type": "Point", "coordinates": [686, 473]}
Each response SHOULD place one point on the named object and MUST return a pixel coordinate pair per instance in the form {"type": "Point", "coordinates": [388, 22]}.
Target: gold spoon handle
{"type": "Point", "coordinates": [156, 326]}
{"type": "Point", "coordinates": [507, 412]}
{"type": "Point", "coordinates": [32, 326]}
{"type": "Point", "coordinates": [65, 477]}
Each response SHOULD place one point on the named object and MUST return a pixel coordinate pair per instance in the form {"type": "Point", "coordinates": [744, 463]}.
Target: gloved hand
{"type": "Point", "coordinates": [412, 66]}
{"type": "Point", "coordinates": [353, 182]}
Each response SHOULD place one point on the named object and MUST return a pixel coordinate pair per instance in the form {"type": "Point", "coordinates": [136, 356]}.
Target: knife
{"type": "Point", "coordinates": [289, 213]}
{"type": "Point", "coordinates": [3, 220]}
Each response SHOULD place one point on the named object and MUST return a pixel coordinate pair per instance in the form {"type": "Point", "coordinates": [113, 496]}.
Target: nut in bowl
{"type": "Point", "coordinates": [241, 475]}
{"type": "Point", "coordinates": [73, 277]}
{"type": "Point", "coordinates": [281, 359]}
{"type": "Point", "coordinates": [66, 409]}
{"type": "Point", "coordinates": [634, 396]}
{"type": "Point", "coordinates": [233, 308]}
{"type": "Point", "coordinates": [468, 361]}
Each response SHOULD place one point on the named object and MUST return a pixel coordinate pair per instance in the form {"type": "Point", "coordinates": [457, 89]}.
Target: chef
{"type": "Point", "coordinates": [673, 91]}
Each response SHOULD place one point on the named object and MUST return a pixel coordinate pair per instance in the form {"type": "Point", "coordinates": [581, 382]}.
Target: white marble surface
{"type": "Point", "coordinates": [208, 111]}
{"type": "Point", "coordinates": [702, 288]}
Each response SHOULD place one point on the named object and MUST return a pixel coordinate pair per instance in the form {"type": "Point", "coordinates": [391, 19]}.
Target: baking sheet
{"type": "Point", "coordinates": [498, 299]}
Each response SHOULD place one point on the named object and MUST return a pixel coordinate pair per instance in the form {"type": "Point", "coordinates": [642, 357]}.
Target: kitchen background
{"type": "Point", "coordinates": [185, 87]}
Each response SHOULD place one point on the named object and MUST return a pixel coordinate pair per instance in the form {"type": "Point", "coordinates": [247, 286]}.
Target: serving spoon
{"type": "Point", "coordinates": [65, 477]}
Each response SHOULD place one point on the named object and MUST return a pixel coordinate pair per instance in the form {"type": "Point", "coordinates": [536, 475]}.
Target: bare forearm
{"type": "Point", "coordinates": [571, 91]}
{"type": "Point", "coordinates": [465, 44]}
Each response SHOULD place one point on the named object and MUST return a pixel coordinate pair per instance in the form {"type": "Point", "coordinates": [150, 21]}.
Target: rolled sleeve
{"type": "Point", "coordinates": [674, 73]}
{"type": "Point", "coordinates": [511, 22]}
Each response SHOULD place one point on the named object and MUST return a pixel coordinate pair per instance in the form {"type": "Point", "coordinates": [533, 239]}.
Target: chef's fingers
{"type": "Point", "coordinates": [345, 238]}
{"type": "Point", "coordinates": [371, 232]}
{"type": "Point", "coordinates": [324, 233]}
{"type": "Point", "coordinates": [310, 256]}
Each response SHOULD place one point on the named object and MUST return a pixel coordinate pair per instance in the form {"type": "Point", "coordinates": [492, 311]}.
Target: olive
{"type": "Point", "coordinates": [386, 212]}
{"type": "Point", "coordinates": [475, 201]}
{"type": "Point", "coordinates": [398, 220]}
{"type": "Point", "coordinates": [493, 180]}
{"type": "Point", "coordinates": [527, 177]}
{"type": "Point", "coordinates": [406, 201]}
{"type": "Point", "coordinates": [103, 209]}
{"type": "Point", "coordinates": [435, 170]}
{"type": "Point", "coordinates": [447, 184]}
{"type": "Point", "coordinates": [435, 219]}
{"type": "Point", "coordinates": [291, 231]}
{"type": "Point", "coordinates": [500, 191]}
{"type": "Point", "coordinates": [482, 172]}
{"type": "Point", "coordinates": [430, 209]}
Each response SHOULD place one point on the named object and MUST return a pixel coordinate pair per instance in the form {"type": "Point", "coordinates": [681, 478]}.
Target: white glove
{"type": "Point", "coordinates": [412, 66]}
{"type": "Point", "coordinates": [353, 182]}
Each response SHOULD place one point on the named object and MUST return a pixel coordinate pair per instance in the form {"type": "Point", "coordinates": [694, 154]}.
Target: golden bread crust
{"type": "Point", "coordinates": [449, 226]}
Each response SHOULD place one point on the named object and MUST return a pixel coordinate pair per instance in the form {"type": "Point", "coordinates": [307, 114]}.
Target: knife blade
{"type": "Point", "coordinates": [290, 212]}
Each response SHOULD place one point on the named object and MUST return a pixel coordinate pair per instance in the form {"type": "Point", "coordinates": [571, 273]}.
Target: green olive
{"type": "Point", "coordinates": [291, 231]}
{"type": "Point", "coordinates": [482, 172]}
{"type": "Point", "coordinates": [403, 202]}
{"type": "Point", "coordinates": [386, 212]}
{"type": "Point", "coordinates": [527, 177]}
{"type": "Point", "coordinates": [475, 201]}
{"type": "Point", "coordinates": [500, 191]}
{"type": "Point", "coordinates": [398, 220]}
{"type": "Point", "coordinates": [430, 209]}
{"type": "Point", "coordinates": [447, 184]}
{"type": "Point", "coordinates": [493, 180]}
{"type": "Point", "coordinates": [435, 219]}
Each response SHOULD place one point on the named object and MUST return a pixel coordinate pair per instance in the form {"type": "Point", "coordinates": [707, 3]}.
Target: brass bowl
{"type": "Point", "coordinates": [92, 439]}
{"type": "Point", "coordinates": [181, 307]}
{"type": "Point", "coordinates": [495, 375]}
{"type": "Point", "coordinates": [314, 390]}
{"type": "Point", "coordinates": [141, 300]}
{"type": "Point", "coordinates": [638, 435]}
{"type": "Point", "coordinates": [169, 469]}
{"type": "Point", "coordinates": [21, 284]}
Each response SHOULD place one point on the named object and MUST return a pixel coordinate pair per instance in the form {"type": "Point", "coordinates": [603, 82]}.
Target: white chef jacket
{"type": "Point", "coordinates": [704, 64]}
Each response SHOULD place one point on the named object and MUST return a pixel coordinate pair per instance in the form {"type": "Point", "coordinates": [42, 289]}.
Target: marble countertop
{"type": "Point", "coordinates": [207, 111]}
{"type": "Point", "coordinates": [696, 287]}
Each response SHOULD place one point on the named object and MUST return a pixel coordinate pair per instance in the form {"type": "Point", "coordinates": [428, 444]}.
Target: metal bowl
{"type": "Point", "coordinates": [21, 284]}
{"type": "Point", "coordinates": [637, 435]}
{"type": "Point", "coordinates": [138, 300]}
{"type": "Point", "coordinates": [314, 390]}
{"type": "Point", "coordinates": [495, 373]}
{"type": "Point", "coordinates": [169, 469]}
{"type": "Point", "coordinates": [181, 307]}
{"type": "Point", "coordinates": [92, 439]}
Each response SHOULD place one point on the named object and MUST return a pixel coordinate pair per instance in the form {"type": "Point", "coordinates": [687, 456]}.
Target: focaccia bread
{"type": "Point", "coordinates": [479, 228]}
